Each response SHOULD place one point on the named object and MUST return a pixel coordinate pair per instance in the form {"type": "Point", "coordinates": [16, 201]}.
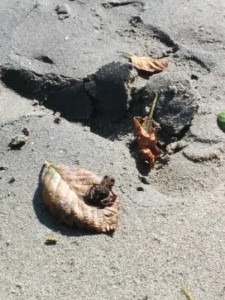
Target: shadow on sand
{"type": "Point", "coordinates": [142, 166]}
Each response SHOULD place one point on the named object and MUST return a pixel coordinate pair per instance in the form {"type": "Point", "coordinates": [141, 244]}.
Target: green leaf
{"type": "Point", "coordinates": [221, 120]}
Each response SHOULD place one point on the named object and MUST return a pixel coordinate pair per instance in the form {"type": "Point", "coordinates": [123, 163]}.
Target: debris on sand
{"type": "Point", "coordinates": [148, 63]}
{"type": "Point", "coordinates": [187, 293]}
{"type": "Point", "coordinates": [51, 241]}
{"type": "Point", "coordinates": [221, 120]}
{"type": "Point", "coordinates": [57, 120]}
{"type": "Point", "coordinates": [146, 129]}
{"type": "Point", "coordinates": [64, 191]}
{"type": "Point", "coordinates": [63, 11]}
{"type": "Point", "coordinates": [17, 142]}
{"type": "Point", "coordinates": [26, 131]}
{"type": "Point", "coordinates": [2, 168]}
{"type": "Point", "coordinates": [12, 179]}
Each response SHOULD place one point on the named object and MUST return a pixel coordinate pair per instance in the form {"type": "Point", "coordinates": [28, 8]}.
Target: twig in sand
{"type": "Point", "coordinates": [187, 293]}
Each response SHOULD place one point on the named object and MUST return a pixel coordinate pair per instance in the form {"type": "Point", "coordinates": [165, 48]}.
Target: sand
{"type": "Point", "coordinates": [171, 230]}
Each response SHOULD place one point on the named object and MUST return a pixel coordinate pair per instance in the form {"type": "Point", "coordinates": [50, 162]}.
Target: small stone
{"type": "Point", "coordinates": [63, 11]}
{"type": "Point", "coordinates": [57, 120]}
{"type": "Point", "coordinates": [140, 189]}
{"type": "Point", "coordinates": [144, 179]}
{"type": "Point", "coordinates": [25, 131]}
{"type": "Point", "coordinates": [176, 146]}
{"type": "Point", "coordinates": [163, 215]}
{"type": "Point", "coordinates": [19, 286]}
{"type": "Point", "coordinates": [35, 103]}
{"type": "Point", "coordinates": [51, 241]}
{"type": "Point", "coordinates": [71, 262]}
{"type": "Point", "coordinates": [194, 77]}
{"type": "Point", "coordinates": [173, 88]}
{"type": "Point", "coordinates": [11, 180]}
{"type": "Point", "coordinates": [17, 142]}
{"type": "Point", "coordinates": [3, 168]}
{"type": "Point", "coordinates": [135, 20]}
{"type": "Point", "coordinates": [62, 17]}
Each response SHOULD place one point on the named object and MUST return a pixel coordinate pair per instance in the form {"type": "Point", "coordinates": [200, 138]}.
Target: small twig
{"type": "Point", "coordinates": [124, 54]}
{"type": "Point", "coordinates": [153, 106]}
{"type": "Point", "coordinates": [148, 120]}
{"type": "Point", "coordinates": [187, 293]}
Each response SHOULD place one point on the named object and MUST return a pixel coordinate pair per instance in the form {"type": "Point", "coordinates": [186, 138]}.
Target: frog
{"type": "Point", "coordinates": [101, 195]}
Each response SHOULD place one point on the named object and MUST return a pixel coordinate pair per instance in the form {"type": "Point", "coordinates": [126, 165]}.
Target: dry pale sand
{"type": "Point", "coordinates": [172, 230]}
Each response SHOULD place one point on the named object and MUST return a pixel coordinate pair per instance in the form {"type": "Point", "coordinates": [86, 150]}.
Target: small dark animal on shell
{"type": "Point", "coordinates": [101, 194]}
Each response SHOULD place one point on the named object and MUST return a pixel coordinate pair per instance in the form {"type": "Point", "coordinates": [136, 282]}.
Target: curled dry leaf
{"type": "Point", "coordinates": [64, 191]}
{"type": "Point", "coordinates": [149, 64]}
{"type": "Point", "coordinates": [146, 129]}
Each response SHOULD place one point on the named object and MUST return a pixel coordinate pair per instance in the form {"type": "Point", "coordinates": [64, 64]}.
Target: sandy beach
{"type": "Point", "coordinates": [64, 78]}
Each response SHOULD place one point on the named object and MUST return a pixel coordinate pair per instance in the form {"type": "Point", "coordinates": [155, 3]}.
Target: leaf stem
{"type": "Point", "coordinates": [187, 293]}
{"type": "Point", "coordinates": [124, 54]}
{"type": "Point", "coordinates": [47, 163]}
{"type": "Point", "coordinates": [148, 121]}
{"type": "Point", "coordinates": [153, 106]}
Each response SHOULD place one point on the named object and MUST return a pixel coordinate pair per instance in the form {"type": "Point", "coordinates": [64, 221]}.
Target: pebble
{"type": "Point", "coordinates": [50, 241]}
{"type": "Point", "coordinates": [17, 142]}
{"type": "Point", "coordinates": [25, 131]}
{"type": "Point", "coordinates": [35, 102]}
{"type": "Point", "coordinates": [11, 180]}
{"type": "Point", "coordinates": [3, 168]}
{"type": "Point", "coordinates": [140, 189]}
{"type": "Point", "coordinates": [144, 179]}
{"type": "Point", "coordinates": [57, 120]}
{"type": "Point", "coordinates": [63, 11]}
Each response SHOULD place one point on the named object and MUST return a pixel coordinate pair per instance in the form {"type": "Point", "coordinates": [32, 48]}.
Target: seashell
{"type": "Point", "coordinates": [64, 189]}
{"type": "Point", "coordinates": [221, 120]}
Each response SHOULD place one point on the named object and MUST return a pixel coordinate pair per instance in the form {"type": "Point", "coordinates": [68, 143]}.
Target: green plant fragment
{"type": "Point", "coordinates": [187, 293]}
{"type": "Point", "coordinates": [221, 120]}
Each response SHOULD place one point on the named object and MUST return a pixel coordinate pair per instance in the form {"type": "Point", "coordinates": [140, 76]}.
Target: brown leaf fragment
{"type": "Point", "coordinates": [147, 129]}
{"type": "Point", "coordinates": [147, 142]}
{"type": "Point", "coordinates": [64, 189]}
{"type": "Point", "coordinates": [149, 64]}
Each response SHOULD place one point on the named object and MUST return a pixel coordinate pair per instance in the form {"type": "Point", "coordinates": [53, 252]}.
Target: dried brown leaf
{"type": "Point", "coordinates": [149, 64]}
{"type": "Point", "coordinates": [63, 190]}
{"type": "Point", "coordinates": [146, 129]}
